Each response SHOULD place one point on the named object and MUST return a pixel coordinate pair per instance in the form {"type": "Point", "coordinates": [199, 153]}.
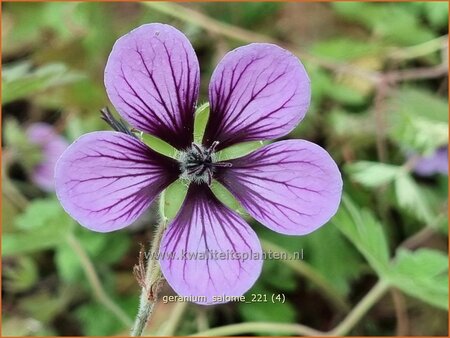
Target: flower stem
{"type": "Point", "coordinates": [172, 323]}
{"type": "Point", "coordinates": [425, 48]}
{"type": "Point", "coordinates": [369, 300]}
{"type": "Point", "coordinates": [343, 328]}
{"type": "Point", "coordinates": [257, 327]}
{"type": "Point", "coordinates": [94, 281]}
{"type": "Point", "coordinates": [236, 33]}
{"type": "Point", "coordinates": [149, 286]}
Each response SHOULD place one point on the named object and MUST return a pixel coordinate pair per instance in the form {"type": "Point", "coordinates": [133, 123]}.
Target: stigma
{"type": "Point", "coordinates": [198, 163]}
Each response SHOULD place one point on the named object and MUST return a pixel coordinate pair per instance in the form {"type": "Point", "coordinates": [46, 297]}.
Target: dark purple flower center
{"type": "Point", "coordinates": [197, 164]}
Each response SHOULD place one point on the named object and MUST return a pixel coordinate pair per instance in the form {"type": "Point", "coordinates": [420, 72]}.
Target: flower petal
{"type": "Point", "coordinates": [257, 92]}
{"type": "Point", "coordinates": [106, 179]}
{"type": "Point", "coordinates": [152, 78]}
{"type": "Point", "coordinates": [200, 250]}
{"type": "Point", "coordinates": [52, 146]}
{"type": "Point", "coordinates": [293, 187]}
{"type": "Point", "coordinates": [436, 163]}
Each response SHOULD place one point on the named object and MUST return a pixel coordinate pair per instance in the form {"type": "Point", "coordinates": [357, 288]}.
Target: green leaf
{"type": "Point", "coordinates": [337, 260]}
{"type": "Point", "coordinates": [159, 145]}
{"type": "Point", "coordinates": [358, 128]}
{"type": "Point", "coordinates": [437, 13]}
{"type": "Point", "coordinates": [38, 24]}
{"type": "Point", "coordinates": [344, 49]}
{"type": "Point", "coordinates": [22, 275]}
{"type": "Point", "coordinates": [120, 241]}
{"type": "Point", "coordinates": [348, 90]}
{"type": "Point", "coordinates": [45, 304]}
{"type": "Point", "coordinates": [411, 198]}
{"type": "Point", "coordinates": [277, 276]}
{"type": "Point", "coordinates": [40, 213]}
{"type": "Point", "coordinates": [201, 119]}
{"type": "Point", "coordinates": [406, 29]}
{"type": "Point", "coordinates": [247, 14]}
{"type": "Point", "coordinates": [345, 94]}
{"type": "Point", "coordinates": [93, 324]}
{"type": "Point", "coordinates": [15, 326]}
{"type": "Point", "coordinates": [373, 174]}
{"type": "Point", "coordinates": [418, 120]}
{"type": "Point", "coordinates": [67, 263]}
{"type": "Point", "coordinates": [97, 246]}
{"type": "Point", "coordinates": [422, 274]}
{"type": "Point", "coordinates": [16, 138]}
{"type": "Point", "coordinates": [260, 308]}
{"type": "Point", "coordinates": [13, 133]}
{"type": "Point", "coordinates": [365, 232]}
{"type": "Point", "coordinates": [43, 225]}
{"type": "Point", "coordinates": [28, 242]}
{"type": "Point", "coordinates": [10, 210]}
{"type": "Point", "coordinates": [16, 71]}
{"type": "Point", "coordinates": [17, 84]}
{"type": "Point", "coordinates": [326, 259]}
{"type": "Point", "coordinates": [268, 312]}
{"type": "Point", "coordinates": [239, 150]}
{"type": "Point", "coordinates": [172, 199]}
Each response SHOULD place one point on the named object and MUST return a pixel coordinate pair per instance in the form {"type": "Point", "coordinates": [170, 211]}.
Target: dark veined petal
{"type": "Point", "coordinates": [152, 78]}
{"type": "Point", "coordinates": [257, 92]}
{"type": "Point", "coordinates": [200, 250]}
{"type": "Point", "coordinates": [292, 187]}
{"type": "Point", "coordinates": [106, 179]}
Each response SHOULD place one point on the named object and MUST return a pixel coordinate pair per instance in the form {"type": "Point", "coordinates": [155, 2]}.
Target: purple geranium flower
{"type": "Point", "coordinates": [51, 145]}
{"type": "Point", "coordinates": [105, 180]}
{"type": "Point", "coordinates": [436, 163]}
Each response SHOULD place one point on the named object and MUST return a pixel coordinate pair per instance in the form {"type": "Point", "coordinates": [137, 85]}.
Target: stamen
{"type": "Point", "coordinates": [198, 163]}
{"type": "Point", "coordinates": [194, 170]}
{"type": "Point", "coordinates": [209, 177]}
{"type": "Point", "coordinates": [212, 148]}
{"type": "Point", "coordinates": [222, 164]}
{"type": "Point", "coordinates": [199, 150]}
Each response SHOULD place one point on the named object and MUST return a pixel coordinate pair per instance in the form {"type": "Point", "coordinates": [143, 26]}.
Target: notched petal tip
{"type": "Point", "coordinates": [257, 92]}
{"type": "Point", "coordinates": [292, 187]}
{"type": "Point", "coordinates": [106, 180]}
{"type": "Point", "coordinates": [152, 77]}
{"type": "Point", "coordinates": [208, 252]}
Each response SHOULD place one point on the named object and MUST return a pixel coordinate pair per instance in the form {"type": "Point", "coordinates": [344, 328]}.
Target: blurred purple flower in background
{"type": "Point", "coordinates": [436, 163]}
{"type": "Point", "coordinates": [51, 145]}
{"type": "Point", "coordinates": [105, 180]}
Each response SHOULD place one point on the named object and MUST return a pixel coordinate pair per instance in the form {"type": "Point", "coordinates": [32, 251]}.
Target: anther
{"type": "Point", "coordinates": [222, 164]}
{"type": "Point", "coordinates": [197, 148]}
{"type": "Point", "coordinates": [198, 163]}
{"type": "Point", "coordinates": [212, 148]}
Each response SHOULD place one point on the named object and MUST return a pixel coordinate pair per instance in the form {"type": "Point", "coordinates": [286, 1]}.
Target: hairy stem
{"type": "Point", "coordinates": [149, 291]}
{"type": "Point", "coordinates": [94, 281]}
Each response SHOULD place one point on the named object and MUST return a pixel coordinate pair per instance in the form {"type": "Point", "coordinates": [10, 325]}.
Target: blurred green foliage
{"type": "Point", "coordinates": [53, 60]}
